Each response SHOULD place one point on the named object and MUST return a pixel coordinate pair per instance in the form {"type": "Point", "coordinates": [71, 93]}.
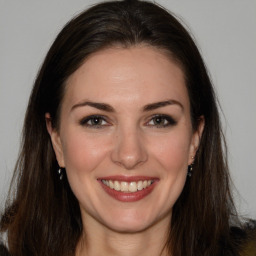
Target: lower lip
{"type": "Point", "coordinates": [126, 196]}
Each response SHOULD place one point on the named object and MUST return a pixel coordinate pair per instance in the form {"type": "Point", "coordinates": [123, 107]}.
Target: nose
{"type": "Point", "coordinates": [129, 150]}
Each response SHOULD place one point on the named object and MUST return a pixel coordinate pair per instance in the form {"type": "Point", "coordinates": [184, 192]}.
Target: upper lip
{"type": "Point", "coordinates": [127, 178]}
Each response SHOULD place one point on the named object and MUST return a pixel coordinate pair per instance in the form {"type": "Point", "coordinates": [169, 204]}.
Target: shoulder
{"type": "Point", "coordinates": [245, 238]}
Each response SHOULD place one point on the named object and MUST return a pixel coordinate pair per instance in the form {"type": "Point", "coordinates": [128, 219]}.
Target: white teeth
{"type": "Point", "coordinates": [133, 187]}
{"type": "Point", "coordinates": [117, 186]}
{"type": "Point", "coordinates": [124, 186]}
{"type": "Point", "coordinates": [111, 184]}
{"type": "Point", "coordinates": [127, 186]}
{"type": "Point", "coordinates": [139, 185]}
{"type": "Point", "coordinates": [145, 183]}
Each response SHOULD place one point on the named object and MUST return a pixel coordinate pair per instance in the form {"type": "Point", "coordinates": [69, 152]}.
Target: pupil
{"type": "Point", "coordinates": [96, 120]}
{"type": "Point", "coordinates": [158, 120]}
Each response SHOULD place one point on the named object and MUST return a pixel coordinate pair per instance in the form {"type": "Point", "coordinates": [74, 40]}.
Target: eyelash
{"type": "Point", "coordinates": [168, 121]}
{"type": "Point", "coordinates": [85, 121]}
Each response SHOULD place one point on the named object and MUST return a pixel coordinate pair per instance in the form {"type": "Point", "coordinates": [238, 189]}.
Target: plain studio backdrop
{"type": "Point", "coordinates": [225, 32]}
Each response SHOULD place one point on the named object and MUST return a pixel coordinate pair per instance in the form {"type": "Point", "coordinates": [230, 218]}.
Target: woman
{"type": "Point", "coordinates": [122, 148]}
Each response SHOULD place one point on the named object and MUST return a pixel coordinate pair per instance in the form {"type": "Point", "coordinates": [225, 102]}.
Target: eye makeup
{"type": "Point", "coordinates": [161, 121]}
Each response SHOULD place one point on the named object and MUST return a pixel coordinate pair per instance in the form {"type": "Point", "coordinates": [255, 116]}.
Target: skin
{"type": "Point", "coordinates": [127, 142]}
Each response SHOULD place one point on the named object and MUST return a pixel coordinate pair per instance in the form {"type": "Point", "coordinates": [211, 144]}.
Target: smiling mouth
{"type": "Point", "coordinates": [127, 187]}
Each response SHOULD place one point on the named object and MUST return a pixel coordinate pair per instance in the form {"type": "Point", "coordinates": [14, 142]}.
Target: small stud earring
{"type": "Point", "coordinates": [60, 173]}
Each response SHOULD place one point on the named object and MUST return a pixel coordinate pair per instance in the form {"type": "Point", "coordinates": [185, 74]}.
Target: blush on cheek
{"type": "Point", "coordinates": [173, 154]}
{"type": "Point", "coordinates": [83, 154]}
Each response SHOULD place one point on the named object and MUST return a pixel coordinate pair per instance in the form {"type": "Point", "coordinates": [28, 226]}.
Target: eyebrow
{"type": "Point", "coordinates": [106, 107]}
{"type": "Point", "coordinates": [100, 106]}
{"type": "Point", "coordinates": [161, 104]}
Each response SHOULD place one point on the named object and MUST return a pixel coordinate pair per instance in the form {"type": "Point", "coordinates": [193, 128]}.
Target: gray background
{"type": "Point", "coordinates": [225, 32]}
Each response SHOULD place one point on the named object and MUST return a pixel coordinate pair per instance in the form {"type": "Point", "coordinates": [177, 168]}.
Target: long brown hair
{"type": "Point", "coordinates": [43, 216]}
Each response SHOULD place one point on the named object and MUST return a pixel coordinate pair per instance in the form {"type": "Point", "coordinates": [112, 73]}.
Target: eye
{"type": "Point", "coordinates": [161, 121]}
{"type": "Point", "coordinates": [94, 121]}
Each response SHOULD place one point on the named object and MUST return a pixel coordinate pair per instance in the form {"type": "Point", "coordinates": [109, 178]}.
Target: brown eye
{"type": "Point", "coordinates": [161, 121]}
{"type": "Point", "coordinates": [94, 121]}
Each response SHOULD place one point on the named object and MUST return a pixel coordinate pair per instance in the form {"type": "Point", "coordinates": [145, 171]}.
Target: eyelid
{"type": "Point", "coordinates": [170, 119]}
{"type": "Point", "coordinates": [84, 121]}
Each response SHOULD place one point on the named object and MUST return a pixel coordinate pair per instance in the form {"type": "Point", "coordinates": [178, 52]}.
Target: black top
{"type": "Point", "coordinates": [3, 251]}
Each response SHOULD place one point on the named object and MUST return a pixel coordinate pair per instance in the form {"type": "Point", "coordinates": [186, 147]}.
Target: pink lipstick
{"type": "Point", "coordinates": [128, 189]}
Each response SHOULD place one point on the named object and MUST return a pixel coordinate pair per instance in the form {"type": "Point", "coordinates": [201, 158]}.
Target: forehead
{"type": "Point", "coordinates": [131, 75]}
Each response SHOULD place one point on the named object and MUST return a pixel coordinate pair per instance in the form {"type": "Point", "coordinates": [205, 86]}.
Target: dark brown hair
{"type": "Point", "coordinates": [43, 216]}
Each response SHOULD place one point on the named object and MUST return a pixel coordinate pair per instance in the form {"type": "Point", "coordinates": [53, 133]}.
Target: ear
{"type": "Point", "coordinates": [196, 138]}
{"type": "Point", "coordinates": [56, 141]}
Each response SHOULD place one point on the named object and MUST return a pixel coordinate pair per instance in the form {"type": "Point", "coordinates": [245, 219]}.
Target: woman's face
{"type": "Point", "coordinates": [125, 137]}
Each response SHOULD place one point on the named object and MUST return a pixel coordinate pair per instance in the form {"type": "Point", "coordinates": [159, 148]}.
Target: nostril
{"type": "Point", "coordinates": [129, 160]}
{"type": "Point", "coordinates": [129, 150]}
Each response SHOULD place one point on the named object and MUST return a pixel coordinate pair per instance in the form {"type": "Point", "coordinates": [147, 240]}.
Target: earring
{"type": "Point", "coordinates": [190, 168]}
{"type": "Point", "coordinates": [60, 173]}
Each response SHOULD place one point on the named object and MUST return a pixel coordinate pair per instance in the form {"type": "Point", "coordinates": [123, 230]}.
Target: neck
{"type": "Point", "coordinates": [98, 240]}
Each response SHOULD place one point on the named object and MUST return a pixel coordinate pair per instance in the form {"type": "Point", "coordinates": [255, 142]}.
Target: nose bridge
{"type": "Point", "coordinates": [129, 150]}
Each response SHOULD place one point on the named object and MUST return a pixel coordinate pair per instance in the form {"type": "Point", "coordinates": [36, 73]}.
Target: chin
{"type": "Point", "coordinates": [129, 223]}
{"type": "Point", "coordinates": [124, 227]}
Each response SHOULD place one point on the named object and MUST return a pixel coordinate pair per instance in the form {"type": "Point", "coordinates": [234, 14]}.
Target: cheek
{"type": "Point", "coordinates": [173, 152]}
{"type": "Point", "coordinates": [82, 154]}
{"type": "Point", "coordinates": [173, 155]}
